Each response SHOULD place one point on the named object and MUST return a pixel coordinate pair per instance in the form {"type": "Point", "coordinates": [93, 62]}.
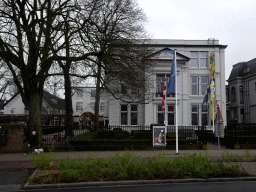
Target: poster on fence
{"type": "Point", "coordinates": [159, 136]}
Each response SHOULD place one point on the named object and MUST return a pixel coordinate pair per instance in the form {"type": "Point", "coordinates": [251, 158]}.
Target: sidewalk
{"type": "Point", "coordinates": [19, 160]}
{"type": "Point", "coordinates": [109, 154]}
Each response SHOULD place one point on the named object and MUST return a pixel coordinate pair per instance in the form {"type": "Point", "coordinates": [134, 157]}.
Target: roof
{"type": "Point", "coordinates": [211, 42]}
{"type": "Point", "coordinates": [179, 56]}
{"type": "Point", "coordinates": [243, 69]}
{"type": "Point", "coordinates": [47, 97]}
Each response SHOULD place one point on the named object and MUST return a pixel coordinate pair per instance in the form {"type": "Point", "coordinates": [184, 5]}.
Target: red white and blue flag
{"type": "Point", "coordinates": [164, 94]}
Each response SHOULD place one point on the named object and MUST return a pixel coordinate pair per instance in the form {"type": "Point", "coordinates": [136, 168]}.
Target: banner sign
{"type": "Point", "coordinates": [213, 91]}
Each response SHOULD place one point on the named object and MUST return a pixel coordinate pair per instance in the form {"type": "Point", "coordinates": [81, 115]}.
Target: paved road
{"type": "Point", "coordinates": [244, 186]}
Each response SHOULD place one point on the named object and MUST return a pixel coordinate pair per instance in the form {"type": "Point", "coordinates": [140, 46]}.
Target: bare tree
{"type": "Point", "coordinates": [31, 39]}
{"type": "Point", "coordinates": [115, 30]}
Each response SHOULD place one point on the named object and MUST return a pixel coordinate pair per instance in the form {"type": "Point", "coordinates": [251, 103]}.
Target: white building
{"type": "Point", "coordinates": [193, 71]}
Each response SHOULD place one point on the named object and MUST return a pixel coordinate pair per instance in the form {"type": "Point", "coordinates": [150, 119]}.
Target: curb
{"type": "Point", "coordinates": [132, 182]}
{"type": "Point", "coordinates": [27, 183]}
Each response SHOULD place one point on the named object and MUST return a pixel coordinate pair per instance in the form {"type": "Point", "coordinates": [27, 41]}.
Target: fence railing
{"type": "Point", "coordinates": [127, 135]}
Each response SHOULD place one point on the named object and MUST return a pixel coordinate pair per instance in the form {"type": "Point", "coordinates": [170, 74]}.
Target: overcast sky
{"type": "Point", "coordinates": [232, 22]}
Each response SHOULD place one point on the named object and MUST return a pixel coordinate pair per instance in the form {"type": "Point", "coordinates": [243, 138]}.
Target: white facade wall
{"type": "Point", "coordinates": [184, 74]}
{"type": "Point", "coordinates": [88, 102]}
{"type": "Point", "coordinates": [17, 105]}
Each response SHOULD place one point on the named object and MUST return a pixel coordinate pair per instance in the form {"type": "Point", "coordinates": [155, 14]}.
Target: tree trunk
{"type": "Point", "coordinates": [68, 106]}
{"type": "Point", "coordinates": [97, 100]}
{"type": "Point", "coordinates": [35, 117]}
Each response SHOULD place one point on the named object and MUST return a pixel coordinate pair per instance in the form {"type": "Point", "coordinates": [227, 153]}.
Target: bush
{"type": "Point", "coordinates": [43, 161]}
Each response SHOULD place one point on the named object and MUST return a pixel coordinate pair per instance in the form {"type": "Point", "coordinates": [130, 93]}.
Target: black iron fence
{"type": "Point", "coordinates": [127, 135]}
{"type": "Point", "coordinates": [240, 133]}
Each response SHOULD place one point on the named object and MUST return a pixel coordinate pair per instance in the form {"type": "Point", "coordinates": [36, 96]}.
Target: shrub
{"type": "Point", "coordinates": [43, 161]}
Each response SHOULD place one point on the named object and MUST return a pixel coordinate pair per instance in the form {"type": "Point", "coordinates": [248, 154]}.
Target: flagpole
{"type": "Point", "coordinates": [176, 105]}
{"type": "Point", "coordinates": [165, 108]}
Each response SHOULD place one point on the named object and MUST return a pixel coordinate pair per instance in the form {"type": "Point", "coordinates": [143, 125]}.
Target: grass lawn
{"type": "Point", "coordinates": [129, 167]}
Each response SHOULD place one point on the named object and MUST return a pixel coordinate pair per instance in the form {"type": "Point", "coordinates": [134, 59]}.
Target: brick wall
{"type": "Point", "coordinates": [14, 138]}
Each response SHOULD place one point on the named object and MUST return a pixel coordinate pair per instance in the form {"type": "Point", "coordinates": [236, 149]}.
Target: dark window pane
{"type": "Point", "coordinates": [123, 118]}
{"type": "Point", "coordinates": [159, 108]}
{"type": "Point", "coordinates": [194, 108]}
{"type": "Point", "coordinates": [170, 118]}
{"type": "Point", "coordinates": [194, 119]}
{"type": "Point", "coordinates": [160, 118]}
{"type": "Point", "coordinates": [124, 107]}
{"type": "Point", "coordinates": [170, 107]}
{"type": "Point", "coordinates": [205, 108]}
{"type": "Point", "coordinates": [134, 117]}
{"type": "Point", "coordinates": [204, 119]}
{"type": "Point", "coordinates": [134, 107]}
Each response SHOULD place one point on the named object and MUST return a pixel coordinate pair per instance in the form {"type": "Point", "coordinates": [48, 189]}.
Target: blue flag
{"type": "Point", "coordinates": [207, 94]}
{"type": "Point", "coordinates": [171, 88]}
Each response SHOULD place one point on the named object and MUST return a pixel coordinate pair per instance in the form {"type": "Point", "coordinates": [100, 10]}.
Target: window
{"type": "Point", "coordinates": [79, 106]}
{"type": "Point", "coordinates": [198, 59]}
{"type": "Point", "coordinates": [204, 115]}
{"type": "Point", "coordinates": [170, 115]}
{"type": "Point", "coordinates": [194, 118]}
{"type": "Point", "coordinates": [199, 115]}
{"type": "Point", "coordinates": [79, 93]}
{"type": "Point", "coordinates": [134, 114]}
{"type": "Point", "coordinates": [93, 93]}
{"type": "Point", "coordinates": [241, 94]}
{"type": "Point", "coordinates": [227, 95]}
{"type": "Point", "coordinates": [233, 94]}
{"type": "Point", "coordinates": [102, 107]}
{"type": "Point", "coordinates": [160, 85]}
{"type": "Point", "coordinates": [129, 114]}
{"type": "Point", "coordinates": [199, 85]}
{"type": "Point", "coordinates": [124, 114]}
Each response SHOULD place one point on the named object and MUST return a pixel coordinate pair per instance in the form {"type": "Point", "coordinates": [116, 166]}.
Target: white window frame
{"type": "Point", "coordinates": [199, 84]}
{"type": "Point", "coordinates": [79, 106]}
{"type": "Point", "coordinates": [123, 112]}
{"type": "Point", "coordinates": [102, 107]}
{"type": "Point", "coordinates": [134, 112]}
{"type": "Point", "coordinates": [159, 111]}
{"type": "Point", "coordinates": [159, 91]}
{"type": "Point", "coordinates": [199, 113]}
{"type": "Point", "coordinates": [129, 113]}
{"type": "Point", "coordinates": [199, 58]}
